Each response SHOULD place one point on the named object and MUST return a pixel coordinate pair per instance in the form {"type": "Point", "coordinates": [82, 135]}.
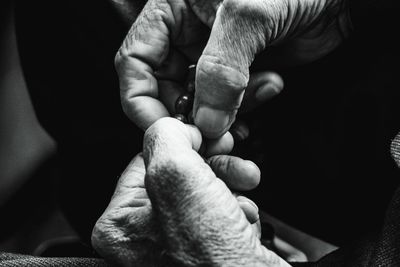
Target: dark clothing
{"type": "Point", "coordinates": [17, 260]}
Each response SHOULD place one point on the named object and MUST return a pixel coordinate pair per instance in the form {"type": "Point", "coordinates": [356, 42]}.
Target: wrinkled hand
{"type": "Point", "coordinates": [128, 232]}
{"type": "Point", "coordinates": [303, 30]}
{"type": "Point", "coordinates": [201, 221]}
{"type": "Point", "coordinates": [152, 62]}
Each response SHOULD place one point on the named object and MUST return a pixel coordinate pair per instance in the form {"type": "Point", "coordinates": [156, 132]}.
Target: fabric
{"type": "Point", "coordinates": [17, 260]}
{"type": "Point", "coordinates": [381, 249]}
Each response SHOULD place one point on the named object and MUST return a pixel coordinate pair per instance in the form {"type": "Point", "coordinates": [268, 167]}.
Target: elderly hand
{"type": "Point", "coordinates": [304, 30]}
{"type": "Point", "coordinates": [201, 221]}
{"type": "Point", "coordinates": [129, 233]}
{"type": "Point", "coordinates": [152, 62]}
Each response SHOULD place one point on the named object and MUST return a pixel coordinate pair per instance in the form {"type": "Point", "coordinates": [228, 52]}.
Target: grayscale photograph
{"type": "Point", "coordinates": [184, 133]}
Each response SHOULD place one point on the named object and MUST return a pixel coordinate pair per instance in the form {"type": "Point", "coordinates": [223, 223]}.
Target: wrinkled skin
{"type": "Point", "coordinates": [301, 30]}
{"type": "Point", "coordinates": [200, 218]}
{"type": "Point", "coordinates": [166, 37]}
{"type": "Point", "coordinates": [142, 222]}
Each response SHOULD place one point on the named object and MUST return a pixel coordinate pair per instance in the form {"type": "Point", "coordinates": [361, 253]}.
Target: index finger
{"type": "Point", "coordinates": [144, 49]}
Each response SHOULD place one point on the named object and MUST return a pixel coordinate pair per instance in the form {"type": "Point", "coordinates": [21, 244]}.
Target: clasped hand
{"type": "Point", "coordinates": [170, 202]}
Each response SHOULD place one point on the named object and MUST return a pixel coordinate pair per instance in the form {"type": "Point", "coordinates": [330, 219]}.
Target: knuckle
{"type": "Point", "coordinates": [162, 176]}
{"type": "Point", "coordinates": [121, 62]}
{"type": "Point", "coordinates": [160, 126]}
{"type": "Point", "coordinates": [159, 137]}
{"type": "Point", "coordinates": [99, 238]}
{"type": "Point", "coordinates": [218, 73]}
{"type": "Point", "coordinates": [260, 19]}
{"type": "Point", "coordinates": [118, 59]}
{"type": "Point", "coordinates": [239, 7]}
{"type": "Point", "coordinates": [248, 10]}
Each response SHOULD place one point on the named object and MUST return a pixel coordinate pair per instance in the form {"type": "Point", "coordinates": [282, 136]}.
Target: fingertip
{"type": "Point", "coordinates": [213, 123]}
{"type": "Point", "coordinates": [267, 92]}
{"type": "Point", "coordinates": [275, 78]}
{"type": "Point", "coordinates": [144, 111]}
{"type": "Point", "coordinates": [238, 174]}
{"type": "Point", "coordinates": [194, 136]}
{"type": "Point", "coordinates": [239, 130]}
{"type": "Point", "coordinates": [254, 172]}
{"type": "Point", "coordinates": [174, 132]}
{"type": "Point", "coordinates": [138, 160]}
{"type": "Point", "coordinates": [262, 87]}
{"type": "Point", "coordinates": [249, 208]}
{"type": "Point", "coordinates": [219, 93]}
{"type": "Point", "coordinates": [220, 146]}
{"type": "Point", "coordinates": [272, 84]}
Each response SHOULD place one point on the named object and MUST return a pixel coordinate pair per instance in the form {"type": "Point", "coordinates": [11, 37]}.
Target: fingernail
{"type": "Point", "coordinates": [253, 204]}
{"type": "Point", "coordinates": [212, 122]}
{"type": "Point", "coordinates": [249, 201]}
{"type": "Point", "coordinates": [267, 92]}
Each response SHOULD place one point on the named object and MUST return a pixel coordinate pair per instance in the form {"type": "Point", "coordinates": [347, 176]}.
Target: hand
{"type": "Point", "coordinates": [165, 30]}
{"type": "Point", "coordinates": [299, 30]}
{"type": "Point", "coordinates": [152, 62]}
{"type": "Point", "coordinates": [128, 232]}
{"type": "Point", "coordinates": [202, 223]}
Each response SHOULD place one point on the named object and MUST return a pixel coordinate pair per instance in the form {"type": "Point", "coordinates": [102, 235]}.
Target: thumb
{"type": "Point", "coordinates": [262, 87]}
{"type": "Point", "coordinates": [237, 35]}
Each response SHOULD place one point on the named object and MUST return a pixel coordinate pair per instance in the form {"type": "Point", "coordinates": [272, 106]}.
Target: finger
{"type": "Point", "coordinates": [289, 252]}
{"type": "Point", "coordinates": [133, 175]}
{"type": "Point", "coordinates": [220, 146]}
{"type": "Point", "coordinates": [168, 137]}
{"type": "Point", "coordinates": [262, 87]}
{"type": "Point", "coordinates": [205, 10]}
{"type": "Point", "coordinates": [239, 130]}
{"type": "Point", "coordinates": [128, 219]}
{"type": "Point", "coordinates": [144, 49]}
{"type": "Point", "coordinates": [257, 228]}
{"type": "Point", "coordinates": [249, 208]}
{"type": "Point", "coordinates": [238, 174]}
{"type": "Point", "coordinates": [130, 186]}
{"type": "Point", "coordinates": [238, 33]}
